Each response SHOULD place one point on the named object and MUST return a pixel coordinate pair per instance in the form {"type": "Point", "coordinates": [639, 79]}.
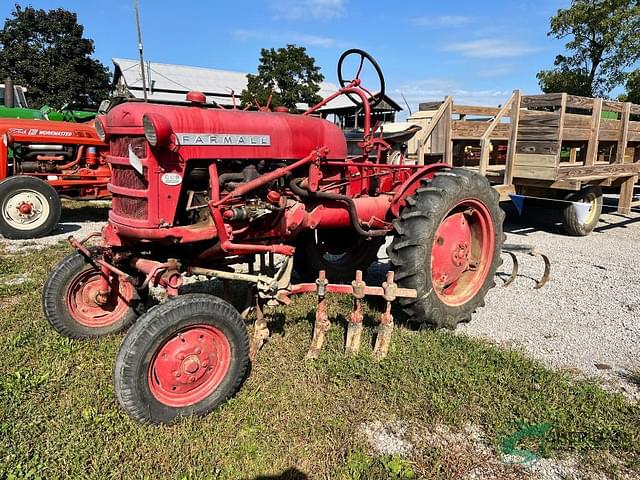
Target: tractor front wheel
{"type": "Point", "coordinates": [70, 302]}
{"type": "Point", "coordinates": [29, 207]}
{"type": "Point", "coordinates": [183, 357]}
{"type": "Point", "coordinates": [447, 247]}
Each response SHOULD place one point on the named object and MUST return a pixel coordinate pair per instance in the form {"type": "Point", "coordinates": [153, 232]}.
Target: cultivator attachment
{"type": "Point", "coordinates": [512, 249]}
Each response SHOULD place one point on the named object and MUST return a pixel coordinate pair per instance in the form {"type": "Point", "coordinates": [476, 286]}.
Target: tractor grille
{"type": "Point", "coordinates": [129, 207]}
{"type": "Point", "coordinates": [125, 176]}
{"type": "Point", "coordinates": [119, 146]}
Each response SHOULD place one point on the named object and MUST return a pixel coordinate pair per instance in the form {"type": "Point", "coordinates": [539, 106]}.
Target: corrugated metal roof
{"type": "Point", "coordinates": [170, 83]}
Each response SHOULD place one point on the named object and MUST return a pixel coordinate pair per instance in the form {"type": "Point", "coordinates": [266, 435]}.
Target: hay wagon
{"type": "Point", "coordinates": [551, 146]}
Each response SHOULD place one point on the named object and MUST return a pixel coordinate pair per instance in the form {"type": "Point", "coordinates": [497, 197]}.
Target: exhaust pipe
{"type": "Point", "coordinates": [8, 93]}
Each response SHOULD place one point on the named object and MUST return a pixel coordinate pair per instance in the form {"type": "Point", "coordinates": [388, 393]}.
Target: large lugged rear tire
{"type": "Point", "coordinates": [447, 246]}
{"type": "Point", "coordinates": [69, 300]}
{"type": "Point", "coordinates": [29, 207]}
{"type": "Point", "coordinates": [183, 357]}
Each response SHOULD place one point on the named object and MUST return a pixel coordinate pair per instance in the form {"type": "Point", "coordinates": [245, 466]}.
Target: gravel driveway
{"type": "Point", "coordinates": [585, 320]}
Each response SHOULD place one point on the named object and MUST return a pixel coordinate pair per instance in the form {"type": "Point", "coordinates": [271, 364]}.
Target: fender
{"type": "Point", "coordinates": [412, 183]}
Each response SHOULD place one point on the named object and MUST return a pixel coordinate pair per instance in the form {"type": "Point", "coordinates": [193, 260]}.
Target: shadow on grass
{"type": "Point", "coordinates": [289, 474]}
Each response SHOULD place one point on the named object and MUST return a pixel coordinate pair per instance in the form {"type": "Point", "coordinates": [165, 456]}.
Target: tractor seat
{"type": "Point", "coordinates": [394, 133]}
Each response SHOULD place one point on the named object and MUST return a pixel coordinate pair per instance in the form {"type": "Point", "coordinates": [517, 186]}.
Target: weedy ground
{"type": "Point", "coordinates": [59, 417]}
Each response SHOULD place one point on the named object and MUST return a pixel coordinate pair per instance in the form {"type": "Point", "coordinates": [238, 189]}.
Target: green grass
{"type": "Point", "coordinates": [59, 417]}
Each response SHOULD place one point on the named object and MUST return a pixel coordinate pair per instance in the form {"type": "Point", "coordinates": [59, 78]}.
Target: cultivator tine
{"type": "Point", "coordinates": [547, 269]}
{"type": "Point", "coordinates": [510, 249]}
{"type": "Point", "coordinates": [514, 271]}
{"type": "Point", "coordinates": [322, 324]}
{"type": "Point", "coordinates": [260, 331]}
{"type": "Point", "coordinates": [354, 329]}
{"type": "Point", "coordinates": [385, 329]}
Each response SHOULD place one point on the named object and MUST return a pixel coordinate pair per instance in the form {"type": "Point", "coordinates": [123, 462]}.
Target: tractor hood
{"type": "Point", "coordinates": [201, 132]}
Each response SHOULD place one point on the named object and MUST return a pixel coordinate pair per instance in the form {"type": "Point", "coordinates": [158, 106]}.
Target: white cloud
{"type": "Point", "coordinates": [245, 35]}
{"type": "Point", "coordinates": [449, 21]}
{"type": "Point", "coordinates": [489, 48]}
{"type": "Point", "coordinates": [308, 9]}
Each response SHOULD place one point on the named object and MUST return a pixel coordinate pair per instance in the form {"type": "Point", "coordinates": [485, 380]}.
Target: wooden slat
{"type": "Point", "coordinates": [426, 132]}
{"type": "Point", "coordinates": [594, 135]}
{"type": "Point", "coordinates": [469, 130]}
{"type": "Point", "coordinates": [626, 195]}
{"type": "Point", "coordinates": [536, 160]}
{"type": "Point", "coordinates": [606, 124]}
{"type": "Point", "coordinates": [535, 133]}
{"type": "Point", "coordinates": [635, 109]}
{"type": "Point", "coordinates": [514, 117]}
{"type": "Point", "coordinates": [475, 110]}
{"type": "Point", "coordinates": [543, 148]}
{"type": "Point", "coordinates": [624, 134]}
{"type": "Point", "coordinates": [585, 171]}
{"type": "Point", "coordinates": [546, 100]}
{"type": "Point", "coordinates": [612, 106]}
{"type": "Point", "coordinates": [574, 101]}
{"type": "Point", "coordinates": [574, 120]}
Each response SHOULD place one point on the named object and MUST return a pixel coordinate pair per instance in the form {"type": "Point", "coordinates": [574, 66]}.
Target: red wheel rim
{"type": "Point", "coordinates": [82, 300]}
{"type": "Point", "coordinates": [462, 252]}
{"type": "Point", "coordinates": [189, 366]}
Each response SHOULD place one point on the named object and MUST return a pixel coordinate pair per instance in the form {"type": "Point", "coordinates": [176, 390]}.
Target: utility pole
{"type": "Point", "coordinates": [144, 78]}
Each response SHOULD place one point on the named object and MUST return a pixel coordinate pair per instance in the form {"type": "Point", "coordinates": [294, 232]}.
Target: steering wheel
{"type": "Point", "coordinates": [374, 99]}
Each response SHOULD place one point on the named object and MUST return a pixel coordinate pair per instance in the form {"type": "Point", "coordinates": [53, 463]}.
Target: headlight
{"type": "Point", "coordinates": [100, 130]}
{"type": "Point", "coordinates": [157, 129]}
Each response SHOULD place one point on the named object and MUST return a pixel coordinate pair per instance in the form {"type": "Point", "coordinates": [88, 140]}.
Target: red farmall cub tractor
{"type": "Point", "coordinates": [196, 190]}
{"type": "Point", "coordinates": [40, 161]}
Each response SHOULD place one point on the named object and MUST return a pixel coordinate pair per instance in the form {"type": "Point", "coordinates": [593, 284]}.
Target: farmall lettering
{"type": "Point", "coordinates": [223, 139]}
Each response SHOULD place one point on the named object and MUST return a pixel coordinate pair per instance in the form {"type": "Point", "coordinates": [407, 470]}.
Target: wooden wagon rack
{"type": "Point", "coordinates": [549, 142]}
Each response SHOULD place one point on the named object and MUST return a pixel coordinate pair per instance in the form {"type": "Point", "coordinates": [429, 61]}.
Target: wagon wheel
{"type": "Point", "coordinates": [448, 247]}
{"type": "Point", "coordinates": [374, 99]}
{"type": "Point", "coordinates": [591, 195]}
{"type": "Point", "coordinates": [183, 357]}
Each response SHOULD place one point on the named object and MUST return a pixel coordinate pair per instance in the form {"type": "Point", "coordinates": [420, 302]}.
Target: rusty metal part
{"type": "Point", "coordinates": [322, 323]}
{"type": "Point", "coordinates": [260, 330]}
{"type": "Point", "coordinates": [385, 329]}
{"type": "Point", "coordinates": [354, 329]}
{"type": "Point", "coordinates": [509, 249]}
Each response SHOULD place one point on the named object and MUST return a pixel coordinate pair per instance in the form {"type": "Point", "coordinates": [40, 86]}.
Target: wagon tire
{"type": "Point", "coordinates": [68, 300]}
{"type": "Point", "coordinates": [447, 246]}
{"type": "Point", "coordinates": [183, 357]}
{"type": "Point", "coordinates": [592, 195]}
{"type": "Point", "coordinates": [29, 208]}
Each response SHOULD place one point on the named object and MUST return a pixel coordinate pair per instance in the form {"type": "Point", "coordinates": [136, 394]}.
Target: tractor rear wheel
{"type": "Point", "coordinates": [183, 357]}
{"type": "Point", "coordinates": [339, 252]}
{"type": "Point", "coordinates": [29, 207]}
{"type": "Point", "coordinates": [70, 304]}
{"type": "Point", "coordinates": [447, 247]}
{"type": "Point", "coordinates": [572, 225]}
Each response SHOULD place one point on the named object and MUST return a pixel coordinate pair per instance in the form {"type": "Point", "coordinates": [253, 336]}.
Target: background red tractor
{"type": "Point", "coordinates": [197, 190]}
{"type": "Point", "coordinates": [40, 161]}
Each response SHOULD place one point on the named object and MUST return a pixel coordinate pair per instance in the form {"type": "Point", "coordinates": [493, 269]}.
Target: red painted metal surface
{"type": "Point", "coordinates": [462, 250]}
{"type": "Point", "coordinates": [83, 295]}
{"type": "Point", "coordinates": [190, 366]}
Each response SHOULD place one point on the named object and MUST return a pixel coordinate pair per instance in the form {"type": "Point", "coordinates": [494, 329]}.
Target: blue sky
{"type": "Point", "coordinates": [478, 51]}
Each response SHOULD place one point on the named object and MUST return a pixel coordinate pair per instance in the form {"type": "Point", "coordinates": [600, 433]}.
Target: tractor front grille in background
{"type": "Point", "coordinates": [127, 177]}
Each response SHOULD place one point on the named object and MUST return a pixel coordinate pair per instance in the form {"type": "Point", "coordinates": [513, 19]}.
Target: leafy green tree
{"type": "Point", "coordinates": [46, 52]}
{"type": "Point", "coordinates": [603, 39]}
{"type": "Point", "coordinates": [632, 87]}
{"type": "Point", "coordinates": [288, 74]}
